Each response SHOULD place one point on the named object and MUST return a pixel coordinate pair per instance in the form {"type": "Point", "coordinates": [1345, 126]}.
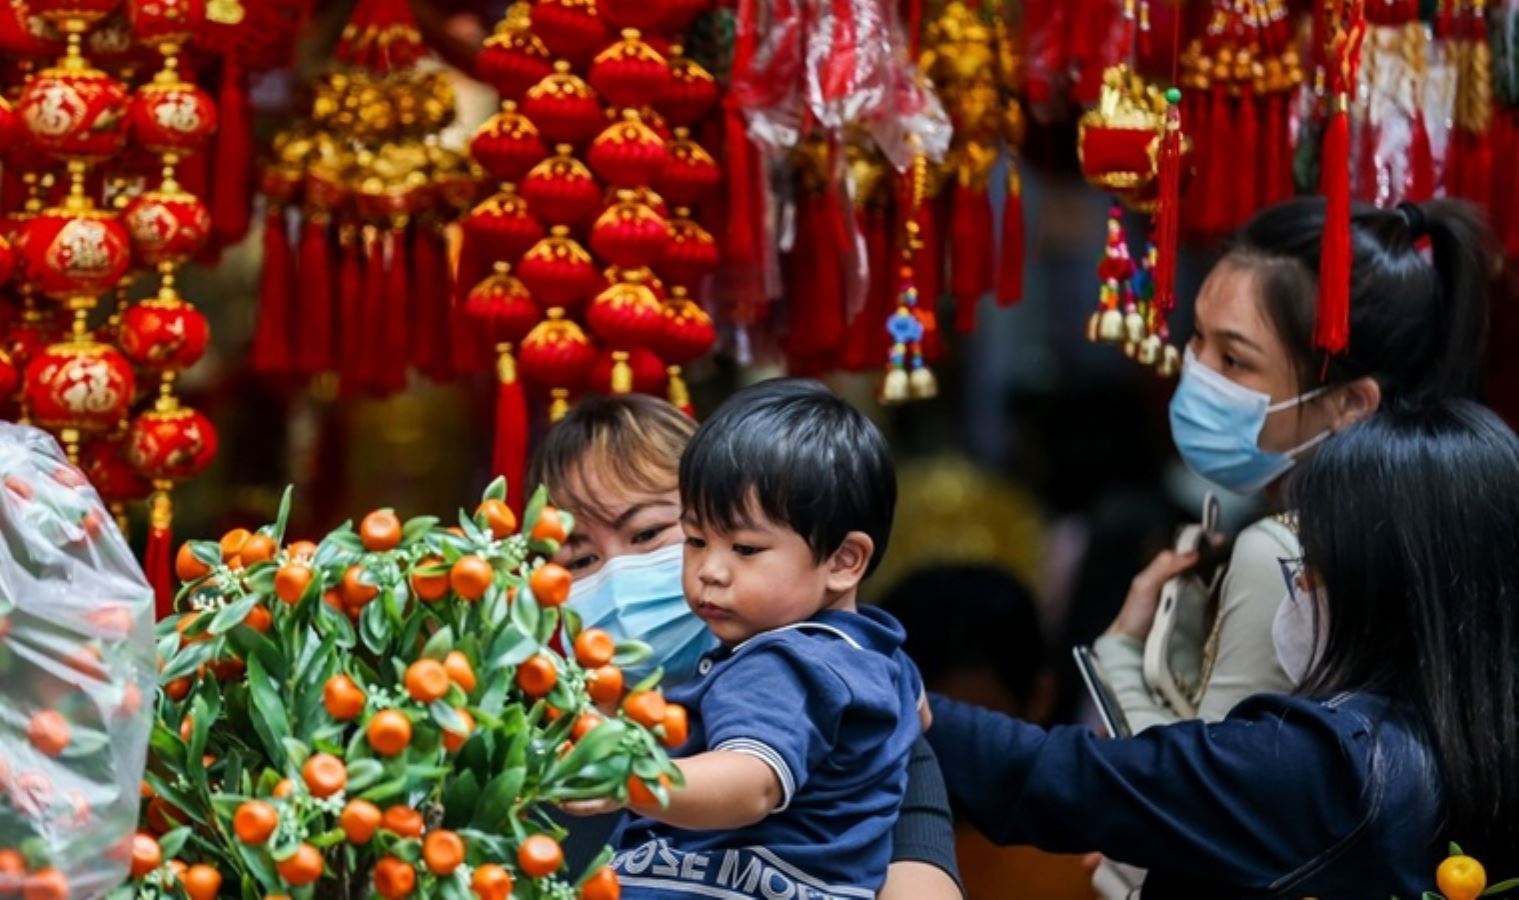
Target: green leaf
{"type": "Point", "coordinates": [174, 841]}
{"type": "Point", "coordinates": [453, 889]}
{"type": "Point", "coordinates": [1501, 887]}
{"type": "Point", "coordinates": [334, 622]}
{"type": "Point", "coordinates": [1455, 849]}
{"type": "Point", "coordinates": [548, 624]}
{"type": "Point", "coordinates": [573, 625]}
{"type": "Point", "coordinates": [364, 773]}
{"type": "Point", "coordinates": [631, 653]}
{"type": "Point", "coordinates": [602, 741]}
{"type": "Point", "coordinates": [534, 509]}
{"type": "Point", "coordinates": [374, 627]}
{"type": "Point", "coordinates": [269, 720]}
{"type": "Point", "coordinates": [447, 717]}
{"type": "Point", "coordinates": [417, 528]}
{"type": "Point", "coordinates": [296, 751]}
{"type": "Point", "coordinates": [186, 661]}
{"type": "Point", "coordinates": [232, 615]}
{"type": "Point", "coordinates": [496, 490]}
{"type": "Point", "coordinates": [261, 578]}
{"type": "Point", "coordinates": [209, 553]}
{"type": "Point", "coordinates": [497, 799]}
{"type": "Point", "coordinates": [602, 858]}
{"type": "Point", "coordinates": [167, 747]}
{"type": "Point", "coordinates": [283, 517]}
{"type": "Point", "coordinates": [386, 791]}
{"type": "Point", "coordinates": [249, 643]}
{"type": "Point", "coordinates": [649, 680]}
{"type": "Point", "coordinates": [567, 519]}
{"type": "Point", "coordinates": [439, 645]}
{"type": "Point", "coordinates": [460, 798]}
{"type": "Point", "coordinates": [525, 612]}
{"type": "Point", "coordinates": [511, 646]}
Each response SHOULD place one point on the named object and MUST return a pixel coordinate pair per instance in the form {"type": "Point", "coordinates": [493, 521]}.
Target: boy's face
{"type": "Point", "coordinates": [756, 578]}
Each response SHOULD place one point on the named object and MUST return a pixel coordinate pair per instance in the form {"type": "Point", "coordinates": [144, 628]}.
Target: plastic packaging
{"type": "Point", "coordinates": [77, 677]}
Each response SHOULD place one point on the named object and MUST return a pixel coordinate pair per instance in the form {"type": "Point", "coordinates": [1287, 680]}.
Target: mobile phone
{"type": "Point", "coordinates": [1113, 717]}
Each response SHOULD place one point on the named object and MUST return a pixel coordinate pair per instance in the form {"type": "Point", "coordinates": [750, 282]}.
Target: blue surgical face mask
{"type": "Point", "coordinates": [639, 597]}
{"type": "Point", "coordinates": [1217, 425]}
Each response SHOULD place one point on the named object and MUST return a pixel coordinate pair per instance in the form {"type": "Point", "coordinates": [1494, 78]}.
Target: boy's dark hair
{"type": "Point", "coordinates": [814, 464]}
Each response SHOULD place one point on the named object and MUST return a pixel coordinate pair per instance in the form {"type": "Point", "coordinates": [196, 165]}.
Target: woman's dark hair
{"type": "Point", "coordinates": [1417, 324]}
{"type": "Point", "coordinates": [1410, 529]}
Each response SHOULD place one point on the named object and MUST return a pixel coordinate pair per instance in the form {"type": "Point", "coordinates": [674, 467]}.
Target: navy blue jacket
{"type": "Point", "coordinates": [1287, 797]}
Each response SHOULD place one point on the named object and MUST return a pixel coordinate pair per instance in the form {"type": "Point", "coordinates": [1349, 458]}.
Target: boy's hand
{"type": "Point", "coordinates": [591, 807]}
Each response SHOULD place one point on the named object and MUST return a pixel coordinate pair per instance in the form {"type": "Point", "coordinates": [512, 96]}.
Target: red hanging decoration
{"type": "Point", "coordinates": [629, 233]}
{"type": "Point", "coordinates": [629, 72]}
{"type": "Point", "coordinates": [555, 355]}
{"type": "Point", "coordinates": [501, 308]}
{"type": "Point", "coordinates": [507, 146]}
{"type": "Point", "coordinates": [628, 153]}
{"type": "Point", "coordinates": [558, 271]}
{"type": "Point", "coordinates": [314, 350]}
{"type": "Point", "coordinates": [513, 60]}
{"type": "Point", "coordinates": [1010, 272]}
{"type": "Point", "coordinates": [430, 343]}
{"type": "Point", "coordinates": [573, 29]}
{"type": "Point", "coordinates": [563, 107]}
{"type": "Point", "coordinates": [561, 190]}
{"type": "Point", "coordinates": [1346, 26]}
{"type": "Point", "coordinates": [689, 94]}
{"type": "Point", "coordinates": [231, 191]}
{"type": "Point", "coordinates": [970, 265]}
{"type": "Point", "coordinates": [272, 341]}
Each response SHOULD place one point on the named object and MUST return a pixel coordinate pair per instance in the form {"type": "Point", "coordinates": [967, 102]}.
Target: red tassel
{"type": "Point", "coordinates": [1168, 208]}
{"type": "Point", "coordinates": [434, 300]}
{"type": "Point", "coordinates": [371, 322]}
{"type": "Point", "coordinates": [231, 195]}
{"type": "Point", "coordinates": [315, 350]}
{"type": "Point", "coordinates": [1199, 130]}
{"type": "Point", "coordinates": [816, 285]}
{"type": "Point", "coordinates": [970, 262]}
{"type": "Point", "coordinates": [1479, 180]}
{"type": "Point", "coordinates": [1245, 161]}
{"type": "Point", "coordinates": [272, 341]}
{"type": "Point", "coordinates": [509, 451]}
{"type": "Point", "coordinates": [398, 314]}
{"type": "Point", "coordinates": [866, 343]}
{"type": "Point", "coordinates": [1421, 163]}
{"type": "Point", "coordinates": [158, 554]}
{"type": "Point", "coordinates": [1220, 187]}
{"type": "Point", "coordinates": [1272, 152]}
{"type": "Point", "coordinates": [1010, 271]}
{"type": "Point", "coordinates": [350, 306]}
{"type": "Point", "coordinates": [1333, 328]}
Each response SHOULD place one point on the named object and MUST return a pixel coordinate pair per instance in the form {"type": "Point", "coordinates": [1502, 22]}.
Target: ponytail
{"type": "Point", "coordinates": [1418, 324]}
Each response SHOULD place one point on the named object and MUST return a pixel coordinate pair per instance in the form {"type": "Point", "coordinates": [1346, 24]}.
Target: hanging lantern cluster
{"type": "Point", "coordinates": [583, 268]}
{"type": "Point", "coordinates": [358, 197]}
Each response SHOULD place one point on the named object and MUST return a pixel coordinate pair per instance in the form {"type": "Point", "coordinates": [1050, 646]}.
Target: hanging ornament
{"type": "Point", "coordinates": [647, 14]}
{"type": "Point", "coordinates": [78, 386]}
{"type": "Point", "coordinates": [501, 308]}
{"type": "Point", "coordinates": [573, 29]}
{"type": "Point", "coordinates": [558, 271]}
{"type": "Point", "coordinates": [164, 334]}
{"type": "Point", "coordinates": [167, 444]}
{"type": "Point", "coordinates": [555, 355]}
{"type": "Point", "coordinates": [640, 370]}
{"type": "Point", "coordinates": [690, 173]}
{"type": "Point", "coordinates": [507, 146]}
{"type": "Point", "coordinates": [628, 153]}
{"type": "Point", "coordinates": [629, 72]}
{"type": "Point", "coordinates": [1116, 140]}
{"type": "Point", "coordinates": [563, 107]}
{"type": "Point", "coordinates": [74, 111]}
{"type": "Point", "coordinates": [690, 254]}
{"type": "Point", "coordinates": [172, 116]}
{"type": "Point", "coordinates": [629, 233]}
{"type": "Point", "coordinates": [1117, 318]}
{"type": "Point", "coordinates": [561, 189]}
{"type": "Point", "coordinates": [104, 462]}
{"type": "Point", "coordinates": [908, 376]}
{"type": "Point", "coordinates": [512, 60]}
{"type": "Point", "coordinates": [690, 92]}
{"type": "Point", "coordinates": [167, 225]}
{"type": "Point", "coordinates": [689, 334]}
{"type": "Point", "coordinates": [1345, 22]}
{"type": "Point", "coordinates": [626, 316]}
{"type": "Point", "coordinates": [499, 228]}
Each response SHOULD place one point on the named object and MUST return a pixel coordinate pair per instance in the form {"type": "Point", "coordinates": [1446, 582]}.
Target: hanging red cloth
{"type": "Point", "coordinates": [274, 338]}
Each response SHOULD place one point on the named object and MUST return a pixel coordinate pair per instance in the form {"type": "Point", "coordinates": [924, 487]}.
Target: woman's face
{"type": "Point", "coordinates": [1233, 337]}
{"type": "Point", "coordinates": [630, 521]}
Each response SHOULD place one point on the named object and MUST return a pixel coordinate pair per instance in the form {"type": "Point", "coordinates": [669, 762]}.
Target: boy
{"type": "Point", "coordinates": [801, 722]}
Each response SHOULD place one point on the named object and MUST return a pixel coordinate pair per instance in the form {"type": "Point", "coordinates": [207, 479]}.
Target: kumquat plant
{"type": "Point", "coordinates": [1460, 877]}
{"type": "Point", "coordinates": [387, 713]}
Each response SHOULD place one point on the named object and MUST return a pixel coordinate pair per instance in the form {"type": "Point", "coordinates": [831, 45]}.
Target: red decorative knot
{"type": "Point", "coordinates": [171, 444]}
{"type": "Point", "coordinates": [627, 153]}
{"type": "Point", "coordinates": [70, 254]}
{"type": "Point", "coordinates": [508, 145]}
{"type": "Point", "coordinates": [164, 334]}
{"type": "Point", "coordinates": [626, 315]}
{"type": "Point", "coordinates": [688, 333]}
{"type": "Point", "coordinates": [104, 461]}
{"type": "Point", "coordinates": [502, 307]}
{"type": "Point", "coordinates": [561, 190]}
{"type": "Point", "coordinates": [166, 24]}
{"type": "Point", "coordinates": [501, 226]}
{"type": "Point", "coordinates": [633, 13]}
{"type": "Point", "coordinates": [564, 107]}
{"type": "Point", "coordinates": [690, 93]}
{"type": "Point", "coordinates": [630, 72]}
{"type": "Point", "coordinates": [556, 353]}
{"type": "Point", "coordinates": [690, 255]}
{"type": "Point", "coordinates": [512, 61]}
{"type": "Point", "coordinates": [649, 374]}
{"type": "Point", "coordinates": [569, 28]}
{"type": "Point", "coordinates": [629, 233]}
{"type": "Point", "coordinates": [690, 174]}
{"type": "Point", "coordinates": [81, 385]}
{"type": "Point", "coordinates": [172, 116]}
{"type": "Point", "coordinates": [75, 113]}
{"type": "Point", "coordinates": [558, 271]}
{"type": "Point", "coordinates": [167, 226]}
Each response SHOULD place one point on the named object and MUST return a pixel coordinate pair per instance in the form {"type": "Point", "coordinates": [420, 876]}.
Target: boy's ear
{"type": "Point", "coordinates": [847, 565]}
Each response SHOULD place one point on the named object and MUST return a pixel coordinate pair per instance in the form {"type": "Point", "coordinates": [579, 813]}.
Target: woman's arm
{"type": "Point", "coordinates": [1244, 662]}
{"type": "Point", "coordinates": [1243, 801]}
{"type": "Point", "coordinates": [923, 843]}
{"type": "Point", "coordinates": [1121, 650]}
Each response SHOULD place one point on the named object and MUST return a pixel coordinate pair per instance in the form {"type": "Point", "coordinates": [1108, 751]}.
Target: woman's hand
{"type": "Point", "coordinates": [1138, 612]}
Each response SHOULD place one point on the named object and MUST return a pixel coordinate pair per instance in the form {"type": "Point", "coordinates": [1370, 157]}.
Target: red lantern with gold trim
{"type": "Point", "coordinates": [71, 253]}
{"type": "Point", "coordinates": [508, 145]}
{"type": "Point", "coordinates": [689, 334]}
{"type": "Point", "coordinates": [165, 24]}
{"type": "Point", "coordinates": [647, 372]}
{"type": "Point", "coordinates": [562, 190]}
{"type": "Point", "coordinates": [171, 443]}
{"type": "Point", "coordinates": [628, 153]}
{"type": "Point", "coordinates": [689, 94]}
{"type": "Point", "coordinates": [625, 316]}
{"type": "Point", "coordinates": [629, 233]}
{"type": "Point", "coordinates": [690, 173]}
{"type": "Point", "coordinates": [75, 112]}
{"type": "Point", "coordinates": [502, 307]}
{"type": "Point", "coordinates": [79, 385]}
{"type": "Point", "coordinates": [558, 271]}
{"type": "Point", "coordinates": [630, 72]}
{"type": "Point", "coordinates": [641, 274]}
{"type": "Point", "coordinates": [555, 356]}
{"type": "Point", "coordinates": [104, 461]}
{"type": "Point", "coordinates": [501, 227]}
{"type": "Point", "coordinates": [564, 107]}
{"type": "Point", "coordinates": [170, 115]}
{"type": "Point", "coordinates": [164, 333]}
{"type": "Point", "coordinates": [167, 226]}
{"type": "Point", "coordinates": [512, 61]}
{"type": "Point", "coordinates": [570, 28]}
{"type": "Point", "coordinates": [691, 253]}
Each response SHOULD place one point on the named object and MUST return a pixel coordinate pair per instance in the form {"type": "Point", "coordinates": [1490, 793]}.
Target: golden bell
{"type": "Point", "coordinates": [922, 384]}
{"type": "Point", "coordinates": [894, 387]}
{"type": "Point", "coordinates": [1150, 351]}
{"type": "Point", "coordinates": [1094, 326]}
{"type": "Point", "coordinates": [1130, 349]}
{"type": "Point", "coordinates": [1134, 327]}
{"type": "Point", "coordinates": [1170, 362]}
{"type": "Point", "coordinates": [1111, 327]}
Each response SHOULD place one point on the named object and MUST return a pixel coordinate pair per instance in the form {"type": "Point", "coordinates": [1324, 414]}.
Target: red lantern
{"type": "Point", "coordinates": [501, 227]}
{"type": "Point", "coordinates": [7, 261]}
{"type": "Point", "coordinates": [628, 153]}
{"type": "Point", "coordinates": [507, 145]}
{"type": "Point", "coordinates": [172, 116]}
{"type": "Point", "coordinates": [688, 333]}
{"type": "Point", "coordinates": [647, 371]}
{"type": "Point", "coordinates": [689, 94]}
{"type": "Point", "coordinates": [512, 61]}
{"type": "Point", "coordinates": [630, 72]}
{"type": "Point", "coordinates": [167, 226]}
{"type": "Point", "coordinates": [172, 444]}
{"type": "Point", "coordinates": [10, 376]}
{"type": "Point", "coordinates": [110, 45]}
{"type": "Point", "coordinates": [104, 461]}
{"type": "Point", "coordinates": [690, 254]}
{"type": "Point", "coordinates": [562, 190]}
{"type": "Point", "coordinates": [632, 13]}
{"type": "Point", "coordinates": [558, 271]}
{"type": "Point", "coordinates": [555, 356]}
{"type": "Point", "coordinates": [626, 315]}
{"type": "Point", "coordinates": [75, 113]}
{"type": "Point", "coordinates": [73, 14]}
{"type": "Point", "coordinates": [166, 24]}
{"type": "Point", "coordinates": [570, 28]}
{"type": "Point", "coordinates": [164, 334]}
{"type": "Point", "coordinates": [75, 253]}
{"type": "Point", "coordinates": [691, 172]}
{"type": "Point", "coordinates": [81, 385]}
{"type": "Point", "coordinates": [681, 14]}
{"type": "Point", "coordinates": [629, 233]}
{"type": "Point", "coordinates": [564, 107]}
{"type": "Point", "coordinates": [502, 307]}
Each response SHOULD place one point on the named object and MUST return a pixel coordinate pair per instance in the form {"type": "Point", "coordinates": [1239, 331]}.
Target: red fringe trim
{"type": "Point", "coordinates": [1333, 328]}
{"type": "Point", "coordinates": [232, 192]}
{"type": "Point", "coordinates": [314, 353]}
{"type": "Point", "coordinates": [1010, 268]}
{"type": "Point", "coordinates": [271, 353]}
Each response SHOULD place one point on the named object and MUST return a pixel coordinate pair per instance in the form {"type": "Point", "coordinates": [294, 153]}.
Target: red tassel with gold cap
{"type": "Point", "coordinates": [1345, 23]}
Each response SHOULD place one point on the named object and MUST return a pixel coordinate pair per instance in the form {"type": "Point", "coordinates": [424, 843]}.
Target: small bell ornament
{"type": "Point", "coordinates": [629, 72]}
{"type": "Point", "coordinates": [558, 271]}
{"type": "Point", "coordinates": [629, 233]}
{"type": "Point", "coordinates": [562, 190]}
{"type": "Point", "coordinates": [556, 355]}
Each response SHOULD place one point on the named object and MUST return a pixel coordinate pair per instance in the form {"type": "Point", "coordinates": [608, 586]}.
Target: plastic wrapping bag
{"type": "Point", "coordinates": [77, 675]}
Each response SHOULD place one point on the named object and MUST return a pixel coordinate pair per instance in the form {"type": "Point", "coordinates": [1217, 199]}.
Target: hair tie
{"type": "Point", "coordinates": [1413, 215]}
